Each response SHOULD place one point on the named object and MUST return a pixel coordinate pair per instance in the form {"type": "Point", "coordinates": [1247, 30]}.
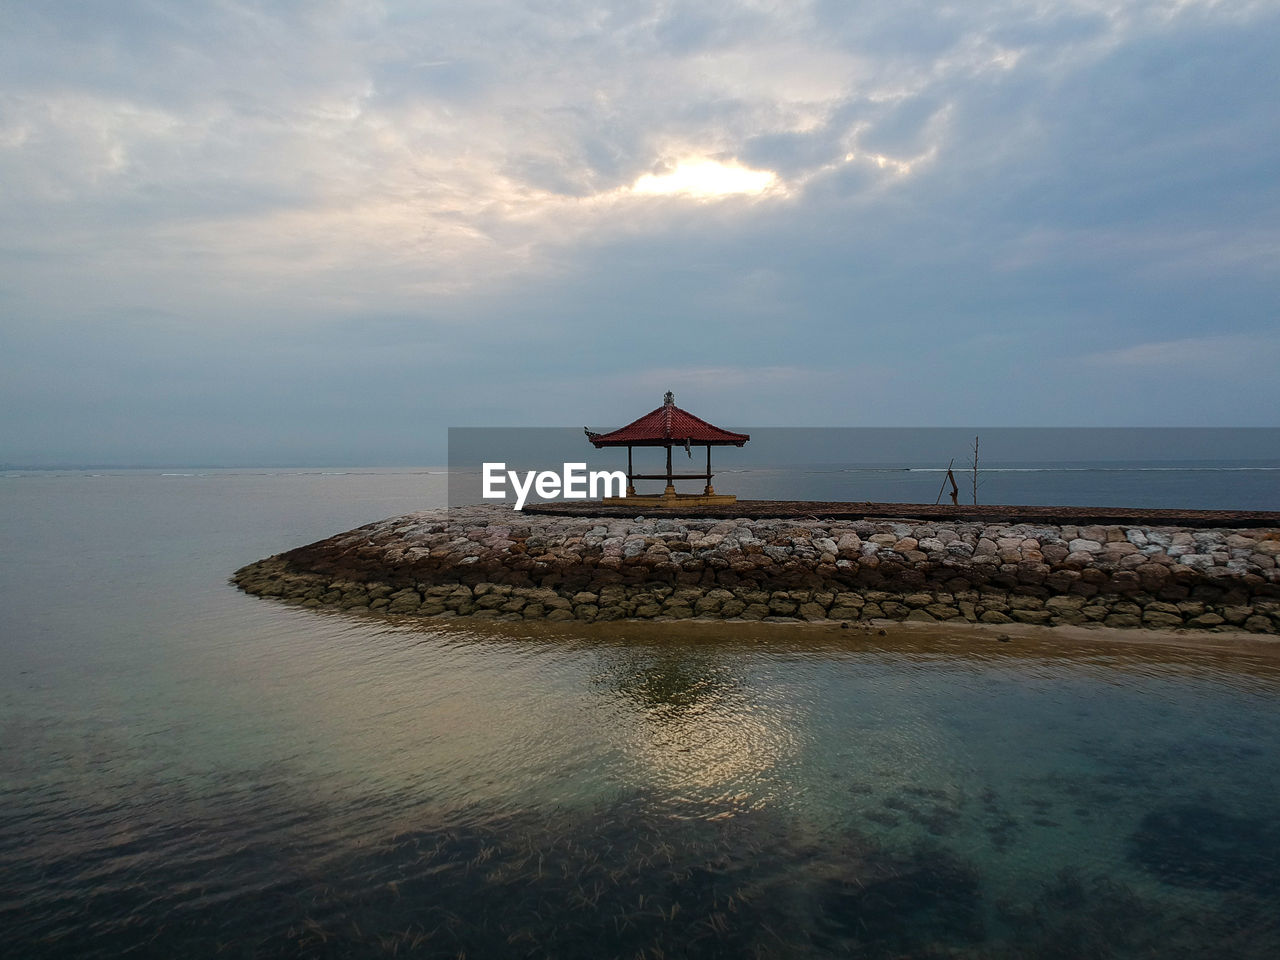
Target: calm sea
{"type": "Point", "coordinates": [1191, 468]}
{"type": "Point", "coordinates": [186, 771]}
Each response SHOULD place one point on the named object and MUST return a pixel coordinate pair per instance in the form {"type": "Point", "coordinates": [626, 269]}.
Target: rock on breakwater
{"type": "Point", "coordinates": [489, 563]}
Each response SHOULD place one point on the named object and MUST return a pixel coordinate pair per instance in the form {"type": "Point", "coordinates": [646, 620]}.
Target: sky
{"type": "Point", "coordinates": [323, 232]}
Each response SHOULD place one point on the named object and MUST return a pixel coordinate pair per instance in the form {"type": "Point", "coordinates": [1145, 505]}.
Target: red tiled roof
{"type": "Point", "coordinates": [668, 424]}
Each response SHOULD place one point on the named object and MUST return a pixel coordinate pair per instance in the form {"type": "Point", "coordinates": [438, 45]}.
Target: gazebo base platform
{"type": "Point", "coordinates": [673, 500]}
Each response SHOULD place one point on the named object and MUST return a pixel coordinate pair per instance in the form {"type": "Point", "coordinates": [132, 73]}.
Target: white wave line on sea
{"type": "Point", "coordinates": [1081, 469]}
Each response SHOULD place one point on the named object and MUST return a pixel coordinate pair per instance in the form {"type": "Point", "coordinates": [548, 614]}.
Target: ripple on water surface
{"type": "Point", "coordinates": [324, 785]}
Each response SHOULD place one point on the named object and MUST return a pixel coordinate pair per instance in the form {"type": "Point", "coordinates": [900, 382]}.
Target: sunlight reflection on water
{"type": "Point", "coordinates": [197, 770]}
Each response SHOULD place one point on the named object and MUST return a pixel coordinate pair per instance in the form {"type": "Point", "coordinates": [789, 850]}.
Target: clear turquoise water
{"type": "Point", "coordinates": [187, 771]}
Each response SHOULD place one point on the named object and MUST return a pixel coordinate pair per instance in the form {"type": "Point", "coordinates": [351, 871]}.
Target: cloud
{"type": "Point", "coordinates": [1237, 351]}
{"type": "Point", "coordinates": [705, 178]}
{"type": "Point", "coordinates": [941, 202]}
{"type": "Point", "coordinates": [762, 377]}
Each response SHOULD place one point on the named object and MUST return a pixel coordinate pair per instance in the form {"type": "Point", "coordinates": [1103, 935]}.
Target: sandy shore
{"type": "Point", "coordinates": [888, 635]}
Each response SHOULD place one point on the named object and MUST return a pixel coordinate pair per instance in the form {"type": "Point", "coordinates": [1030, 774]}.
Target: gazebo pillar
{"type": "Point", "coordinates": [669, 426]}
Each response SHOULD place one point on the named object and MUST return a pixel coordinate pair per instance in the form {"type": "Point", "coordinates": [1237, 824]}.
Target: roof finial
{"type": "Point", "coordinates": [669, 399]}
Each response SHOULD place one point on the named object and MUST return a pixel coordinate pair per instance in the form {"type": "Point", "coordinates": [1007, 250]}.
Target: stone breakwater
{"type": "Point", "coordinates": [485, 562]}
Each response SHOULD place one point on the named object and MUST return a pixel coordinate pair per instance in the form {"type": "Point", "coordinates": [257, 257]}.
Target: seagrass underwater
{"type": "Point", "coordinates": [191, 771]}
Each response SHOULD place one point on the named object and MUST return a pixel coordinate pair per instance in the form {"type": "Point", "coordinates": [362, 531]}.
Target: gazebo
{"type": "Point", "coordinates": [669, 426]}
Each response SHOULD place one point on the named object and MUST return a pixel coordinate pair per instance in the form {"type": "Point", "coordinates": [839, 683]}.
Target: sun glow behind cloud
{"type": "Point", "coordinates": [705, 179]}
{"type": "Point", "coordinates": [258, 185]}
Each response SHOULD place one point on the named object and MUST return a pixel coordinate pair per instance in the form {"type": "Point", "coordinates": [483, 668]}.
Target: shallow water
{"type": "Point", "coordinates": [187, 771]}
